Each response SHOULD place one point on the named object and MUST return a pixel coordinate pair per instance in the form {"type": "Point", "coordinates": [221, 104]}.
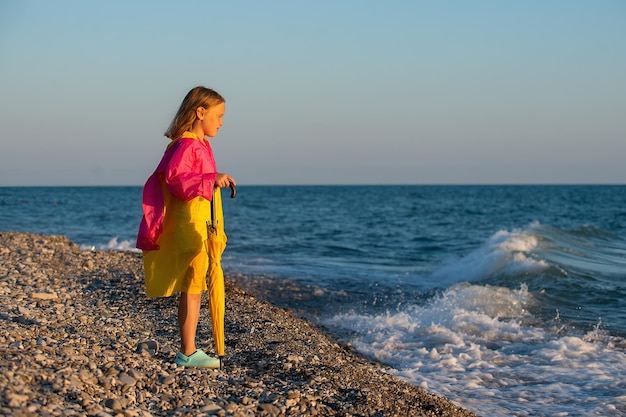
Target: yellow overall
{"type": "Point", "coordinates": [182, 262]}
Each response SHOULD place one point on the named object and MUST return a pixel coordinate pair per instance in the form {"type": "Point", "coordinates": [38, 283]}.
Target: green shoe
{"type": "Point", "coordinates": [198, 359]}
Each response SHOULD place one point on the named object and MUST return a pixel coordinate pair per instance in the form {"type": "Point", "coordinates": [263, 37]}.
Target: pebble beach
{"type": "Point", "coordinates": [78, 337]}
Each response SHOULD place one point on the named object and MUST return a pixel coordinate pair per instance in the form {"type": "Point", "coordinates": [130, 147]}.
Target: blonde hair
{"type": "Point", "coordinates": [186, 115]}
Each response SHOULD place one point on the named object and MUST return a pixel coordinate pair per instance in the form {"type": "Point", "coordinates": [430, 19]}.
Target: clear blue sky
{"type": "Point", "coordinates": [318, 92]}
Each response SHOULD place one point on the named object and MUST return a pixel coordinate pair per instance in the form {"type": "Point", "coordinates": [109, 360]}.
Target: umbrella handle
{"type": "Point", "coordinates": [233, 190]}
{"type": "Point", "coordinates": [221, 358]}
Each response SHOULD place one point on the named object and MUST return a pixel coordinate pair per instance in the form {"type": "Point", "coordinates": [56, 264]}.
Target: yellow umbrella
{"type": "Point", "coordinates": [216, 243]}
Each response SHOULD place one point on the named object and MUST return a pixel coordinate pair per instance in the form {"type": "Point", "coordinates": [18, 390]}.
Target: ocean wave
{"type": "Point", "coordinates": [504, 253]}
{"type": "Point", "coordinates": [114, 244]}
{"type": "Point", "coordinates": [584, 252]}
{"type": "Point", "coordinates": [578, 273]}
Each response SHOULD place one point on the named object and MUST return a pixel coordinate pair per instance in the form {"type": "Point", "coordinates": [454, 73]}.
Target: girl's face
{"type": "Point", "coordinates": [210, 120]}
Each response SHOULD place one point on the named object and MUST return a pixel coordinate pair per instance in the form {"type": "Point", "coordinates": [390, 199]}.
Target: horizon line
{"type": "Point", "coordinates": [486, 184]}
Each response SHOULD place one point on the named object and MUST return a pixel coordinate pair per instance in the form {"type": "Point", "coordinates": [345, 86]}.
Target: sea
{"type": "Point", "coordinates": [508, 300]}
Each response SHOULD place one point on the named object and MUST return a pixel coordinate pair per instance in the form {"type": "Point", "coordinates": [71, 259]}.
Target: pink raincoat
{"type": "Point", "coordinates": [188, 168]}
{"type": "Point", "coordinates": [177, 207]}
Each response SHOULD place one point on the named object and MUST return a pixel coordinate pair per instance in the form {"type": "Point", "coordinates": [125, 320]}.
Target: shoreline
{"type": "Point", "coordinates": [79, 337]}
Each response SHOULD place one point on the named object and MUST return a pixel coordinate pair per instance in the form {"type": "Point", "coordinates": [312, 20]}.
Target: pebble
{"type": "Point", "coordinates": [126, 379]}
{"type": "Point", "coordinates": [135, 374]}
{"type": "Point", "coordinates": [113, 404]}
{"type": "Point", "coordinates": [167, 380]}
{"type": "Point", "coordinates": [16, 400]}
{"type": "Point", "coordinates": [270, 409]}
{"type": "Point", "coordinates": [79, 337]}
{"type": "Point", "coordinates": [45, 295]}
{"type": "Point", "coordinates": [211, 408]}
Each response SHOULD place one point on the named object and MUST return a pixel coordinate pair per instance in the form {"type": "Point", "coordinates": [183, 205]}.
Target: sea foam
{"type": "Point", "coordinates": [480, 346]}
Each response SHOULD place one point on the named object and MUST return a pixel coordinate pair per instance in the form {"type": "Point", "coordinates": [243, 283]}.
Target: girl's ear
{"type": "Point", "coordinates": [200, 113]}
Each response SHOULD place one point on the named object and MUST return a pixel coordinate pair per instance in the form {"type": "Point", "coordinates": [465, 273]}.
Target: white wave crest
{"type": "Point", "coordinates": [114, 244]}
{"type": "Point", "coordinates": [508, 253]}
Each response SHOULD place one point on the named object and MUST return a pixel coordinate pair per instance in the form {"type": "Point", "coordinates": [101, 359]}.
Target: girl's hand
{"type": "Point", "coordinates": [224, 180]}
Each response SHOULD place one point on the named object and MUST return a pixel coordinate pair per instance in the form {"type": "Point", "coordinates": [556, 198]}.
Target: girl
{"type": "Point", "coordinates": [177, 208]}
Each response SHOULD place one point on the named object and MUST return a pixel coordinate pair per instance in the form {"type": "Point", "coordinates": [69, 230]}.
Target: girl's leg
{"type": "Point", "coordinates": [188, 316]}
